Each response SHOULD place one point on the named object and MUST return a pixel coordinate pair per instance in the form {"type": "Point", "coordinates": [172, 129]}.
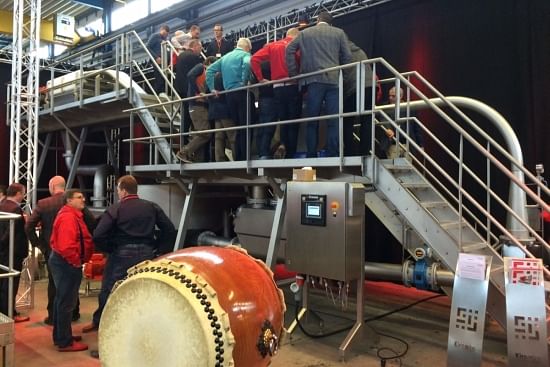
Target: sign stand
{"type": "Point", "coordinates": [467, 322]}
{"type": "Point", "coordinates": [525, 312]}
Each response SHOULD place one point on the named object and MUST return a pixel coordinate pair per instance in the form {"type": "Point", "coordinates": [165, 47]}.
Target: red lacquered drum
{"type": "Point", "coordinates": [201, 306]}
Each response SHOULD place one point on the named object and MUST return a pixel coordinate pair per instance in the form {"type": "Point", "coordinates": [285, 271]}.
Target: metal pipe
{"type": "Point", "coordinates": [396, 273]}
{"type": "Point", "coordinates": [210, 238]}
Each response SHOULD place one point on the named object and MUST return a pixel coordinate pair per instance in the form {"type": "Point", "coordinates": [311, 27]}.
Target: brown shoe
{"type": "Point", "coordinates": [75, 347]}
{"type": "Point", "coordinates": [89, 328]}
{"type": "Point", "coordinates": [183, 156]}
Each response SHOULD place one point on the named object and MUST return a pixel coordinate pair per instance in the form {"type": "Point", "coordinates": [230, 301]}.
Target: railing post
{"type": "Point", "coordinates": [81, 82]}
{"type": "Point", "coordinates": [460, 188]}
{"type": "Point", "coordinates": [488, 197]}
{"type": "Point", "coordinates": [341, 119]}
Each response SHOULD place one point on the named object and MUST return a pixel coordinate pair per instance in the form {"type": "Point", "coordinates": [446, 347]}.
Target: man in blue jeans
{"type": "Point", "coordinates": [322, 46]}
{"type": "Point", "coordinates": [72, 246]}
{"type": "Point", "coordinates": [127, 232]}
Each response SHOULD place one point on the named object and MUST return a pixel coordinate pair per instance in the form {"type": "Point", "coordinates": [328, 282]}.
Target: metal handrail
{"type": "Point", "coordinates": [433, 178]}
{"type": "Point", "coordinates": [461, 189]}
{"type": "Point", "coordinates": [480, 131]}
{"type": "Point", "coordinates": [155, 65]}
{"type": "Point", "coordinates": [470, 139]}
{"type": "Point", "coordinates": [11, 272]}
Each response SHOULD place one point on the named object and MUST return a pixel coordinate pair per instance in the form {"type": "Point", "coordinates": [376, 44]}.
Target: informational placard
{"type": "Point", "coordinates": [467, 319]}
{"type": "Point", "coordinates": [525, 312]}
{"type": "Point", "coordinates": [64, 28]}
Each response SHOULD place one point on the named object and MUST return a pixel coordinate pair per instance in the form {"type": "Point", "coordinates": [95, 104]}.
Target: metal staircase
{"type": "Point", "coordinates": [403, 190]}
{"type": "Point", "coordinates": [451, 206]}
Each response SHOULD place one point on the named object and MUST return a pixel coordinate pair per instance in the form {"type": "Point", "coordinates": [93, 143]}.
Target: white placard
{"type": "Point", "coordinates": [471, 266]}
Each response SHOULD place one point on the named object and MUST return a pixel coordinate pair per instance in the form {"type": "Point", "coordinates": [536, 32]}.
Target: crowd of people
{"type": "Point", "coordinates": [130, 231]}
{"type": "Point", "coordinates": [224, 68]}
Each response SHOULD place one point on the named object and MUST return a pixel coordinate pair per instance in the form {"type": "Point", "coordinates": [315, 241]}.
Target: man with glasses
{"type": "Point", "coordinates": [43, 216]}
{"type": "Point", "coordinates": [72, 246]}
{"type": "Point", "coordinates": [127, 232]}
{"type": "Point", "coordinates": [219, 45]}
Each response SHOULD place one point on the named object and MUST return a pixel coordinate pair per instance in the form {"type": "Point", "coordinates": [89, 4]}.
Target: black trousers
{"type": "Point", "coordinates": [352, 147]}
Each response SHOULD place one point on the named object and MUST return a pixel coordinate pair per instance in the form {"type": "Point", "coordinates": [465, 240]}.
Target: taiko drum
{"type": "Point", "coordinates": [201, 306]}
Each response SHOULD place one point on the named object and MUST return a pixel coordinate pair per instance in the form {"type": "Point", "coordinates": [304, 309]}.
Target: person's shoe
{"type": "Point", "coordinates": [76, 317]}
{"type": "Point", "coordinates": [18, 319]}
{"type": "Point", "coordinates": [48, 321]}
{"type": "Point", "coordinates": [94, 354]}
{"type": "Point", "coordinates": [89, 328]}
{"type": "Point", "coordinates": [280, 152]}
{"type": "Point", "coordinates": [75, 347]}
{"type": "Point", "coordinates": [76, 338]}
{"type": "Point", "coordinates": [183, 156]}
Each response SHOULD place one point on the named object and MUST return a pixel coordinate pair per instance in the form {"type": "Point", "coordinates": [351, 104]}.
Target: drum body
{"type": "Point", "coordinates": [201, 306]}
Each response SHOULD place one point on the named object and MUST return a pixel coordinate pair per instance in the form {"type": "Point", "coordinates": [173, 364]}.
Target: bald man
{"type": "Point", "coordinates": [44, 214]}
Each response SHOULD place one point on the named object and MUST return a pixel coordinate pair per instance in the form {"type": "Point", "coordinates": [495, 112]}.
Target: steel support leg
{"type": "Point", "coordinates": [185, 215]}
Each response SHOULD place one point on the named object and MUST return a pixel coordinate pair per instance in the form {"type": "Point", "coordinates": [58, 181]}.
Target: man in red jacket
{"type": "Point", "coordinates": [72, 246]}
{"type": "Point", "coordinates": [287, 99]}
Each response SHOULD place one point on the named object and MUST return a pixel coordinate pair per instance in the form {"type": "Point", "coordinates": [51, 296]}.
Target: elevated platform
{"type": "Point", "coordinates": [256, 171]}
{"type": "Point", "coordinates": [105, 109]}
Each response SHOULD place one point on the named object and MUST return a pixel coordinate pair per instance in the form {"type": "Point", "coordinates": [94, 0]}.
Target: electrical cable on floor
{"type": "Point", "coordinates": [378, 317]}
{"type": "Point", "coordinates": [397, 356]}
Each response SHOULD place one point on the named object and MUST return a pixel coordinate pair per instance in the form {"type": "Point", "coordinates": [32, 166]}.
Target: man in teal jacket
{"type": "Point", "coordinates": [235, 70]}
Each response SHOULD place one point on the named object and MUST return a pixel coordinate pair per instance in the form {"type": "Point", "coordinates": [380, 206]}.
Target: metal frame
{"type": "Point", "coordinates": [24, 97]}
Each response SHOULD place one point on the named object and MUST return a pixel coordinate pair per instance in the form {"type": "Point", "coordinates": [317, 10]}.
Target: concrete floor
{"type": "Point", "coordinates": [423, 327]}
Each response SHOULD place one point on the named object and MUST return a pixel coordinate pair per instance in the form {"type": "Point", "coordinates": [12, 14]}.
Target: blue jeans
{"type": "Point", "coordinates": [118, 263]}
{"type": "Point", "coordinates": [268, 113]}
{"type": "Point", "coordinates": [289, 107]}
{"type": "Point", "coordinates": [317, 93]}
{"type": "Point", "coordinates": [67, 280]}
{"type": "Point", "coordinates": [237, 110]}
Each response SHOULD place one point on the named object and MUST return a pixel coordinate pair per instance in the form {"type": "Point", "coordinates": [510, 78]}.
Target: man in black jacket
{"type": "Point", "coordinates": [127, 232]}
{"type": "Point", "coordinates": [154, 44]}
{"type": "Point", "coordinates": [186, 61]}
{"type": "Point", "coordinates": [219, 46]}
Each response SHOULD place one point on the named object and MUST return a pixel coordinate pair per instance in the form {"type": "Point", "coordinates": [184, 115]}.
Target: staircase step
{"type": "Point", "coordinates": [393, 167]}
{"type": "Point", "coordinates": [416, 185]}
{"type": "Point", "coordinates": [453, 225]}
{"type": "Point", "coordinates": [434, 204]}
{"type": "Point", "coordinates": [471, 247]}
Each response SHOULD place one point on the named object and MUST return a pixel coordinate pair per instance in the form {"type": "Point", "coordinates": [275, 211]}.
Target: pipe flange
{"type": "Point", "coordinates": [405, 273]}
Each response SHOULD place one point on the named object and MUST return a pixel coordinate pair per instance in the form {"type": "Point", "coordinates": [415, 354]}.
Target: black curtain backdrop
{"type": "Point", "coordinates": [495, 51]}
{"type": "Point", "coordinates": [5, 78]}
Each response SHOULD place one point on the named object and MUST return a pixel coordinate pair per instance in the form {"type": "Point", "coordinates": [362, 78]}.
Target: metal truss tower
{"type": "Point", "coordinates": [24, 96]}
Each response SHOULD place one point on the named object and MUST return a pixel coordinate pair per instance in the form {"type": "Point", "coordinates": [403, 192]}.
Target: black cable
{"type": "Point", "coordinates": [395, 355]}
{"type": "Point", "coordinates": [403, 308]}
{"type": "Point", "coordinates": [337, 331]}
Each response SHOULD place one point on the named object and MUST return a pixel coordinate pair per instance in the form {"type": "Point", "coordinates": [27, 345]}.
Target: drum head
{"type": "Point", "coordinates": [149, 323]}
